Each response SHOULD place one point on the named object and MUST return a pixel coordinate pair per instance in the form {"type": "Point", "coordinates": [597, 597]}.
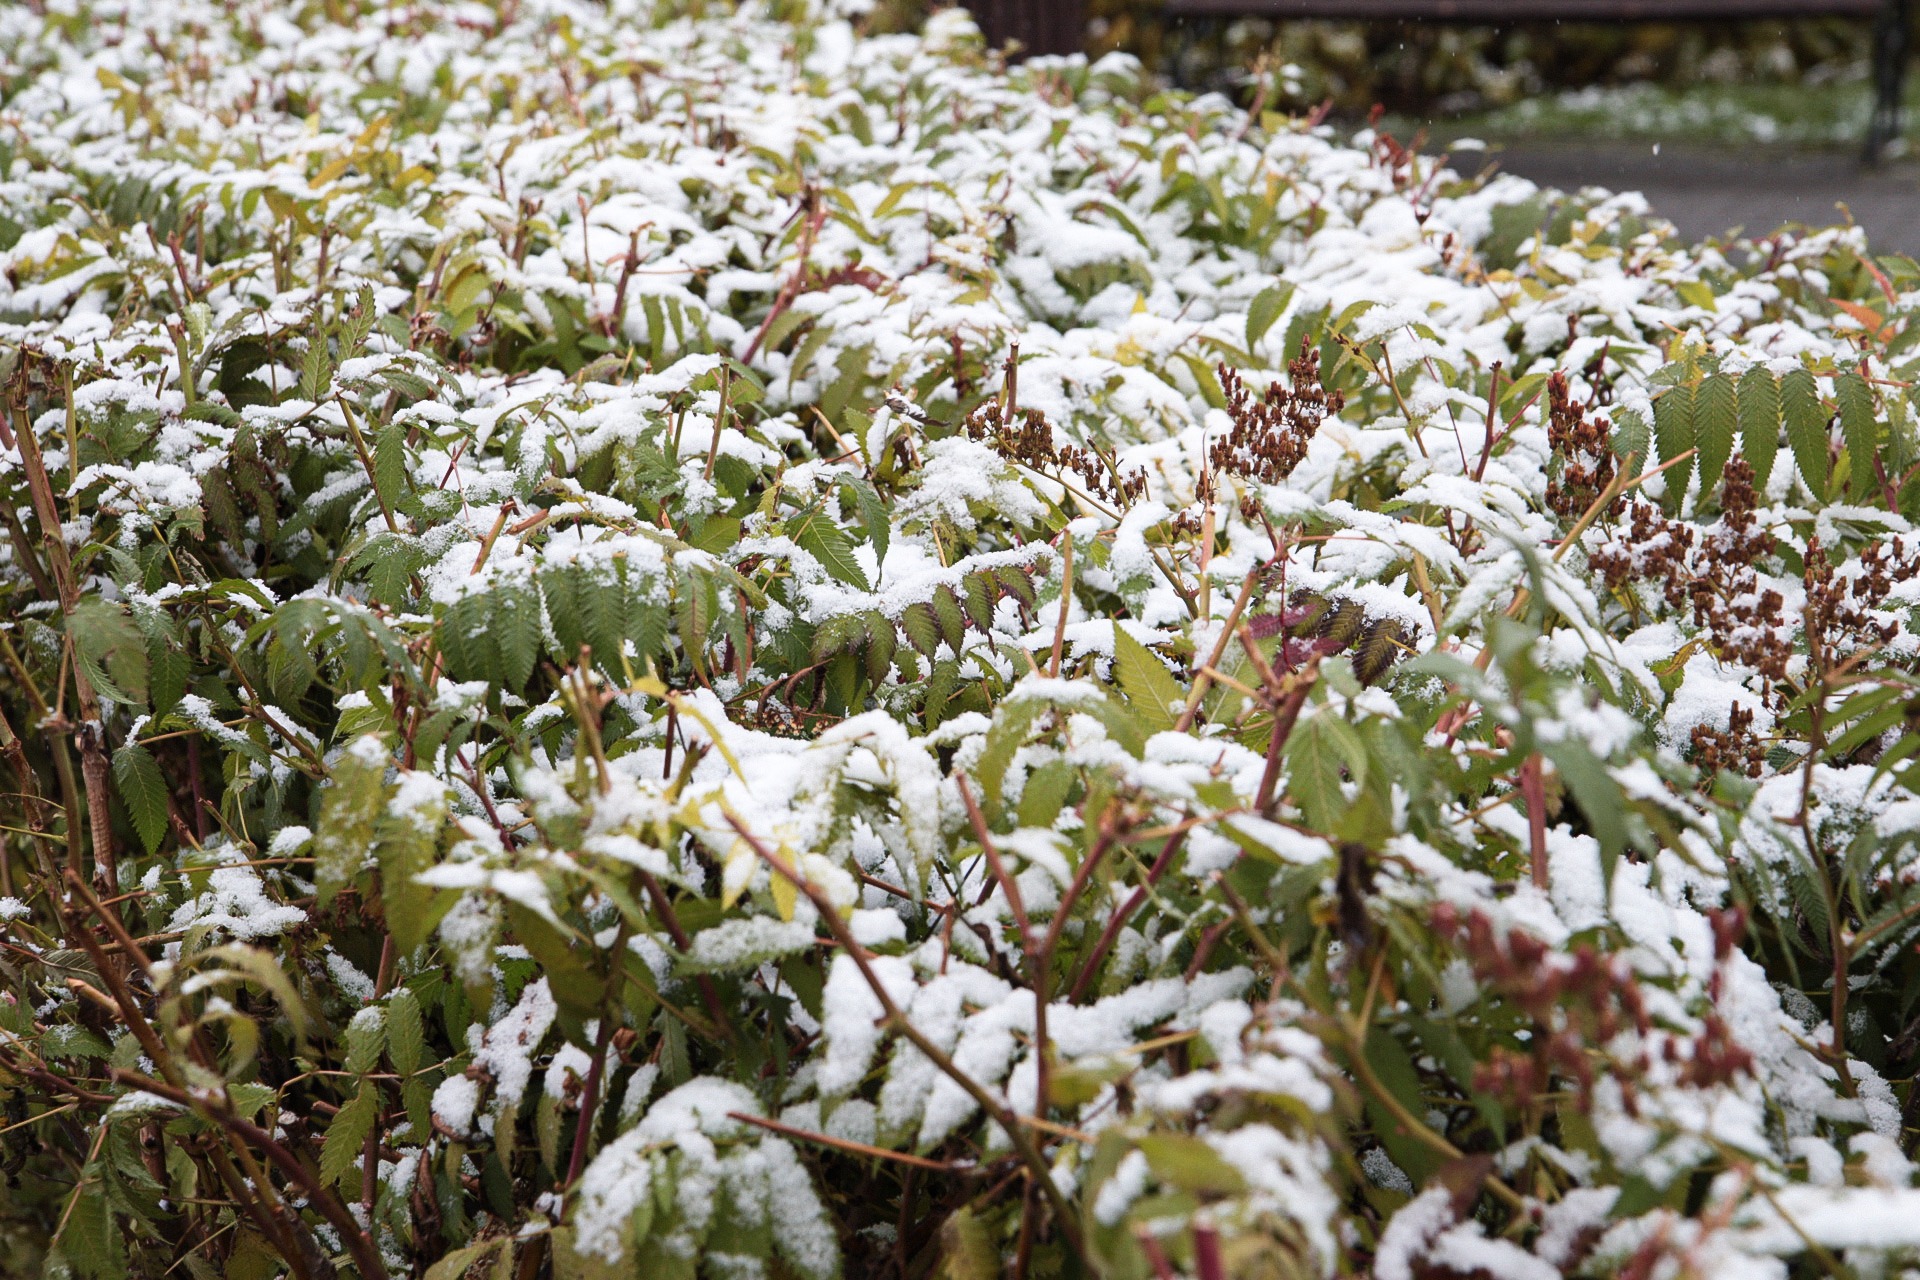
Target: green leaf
{"type": "Point", "coordinates": [346, 1136]}
{"type": "Point", "coordinates": [1266, 307]}
{"type": "Point", "coordinates": [1715, 419]}
{"type": "Point", "coordinates": [953, 623]}
{"type": "Point", "coordinates": [137, 777]}
{"type": "Point", "coordinates": [350, 804]}
{"type": "Point", "coordinates": [166, 676]}
{"type": "Point", "coordinates": [838, 634]}
{"type": "Point", "coordinates": [408, 383]}
{"type": "Point", "coordinates": [408, 844]}
{"type": "Point", "coordinates": [1860, 427]}
{"type": "Point", "coordinates": [457, 1263]}
{"type": "Point", "coordinates": [111, 649]}
{"type": "Point", "coordinates": [922, 628]}
{"type": "Point", "coordinates": [600, 602]}
{"type": "Point", "coordinates": [1673, 432]}
{"type": "Point", "coordinates": [1807, 429]}
{"type": "Point", "coordinates": [881, 645]}
{"type": "Point", "coordinates": [1005, 736]}
{"type": "Point", "coordinates": [366, 1040]}
{"type": "Point", "coordinates": [717, 533]}
{"type": "Point", "coordinates": [390, 465]}
{"type": "Point", "coordinates": [91, 1240]}
{"type": "Point", "coordinates": [1147, 685]}
{"type": "Point", "coordinates": [516, 624]}
{"type": "Point", "coordinates": [1632, 439]}
{"type": "Point", "coordinates": [1018, 583]}
{"type": "Point", "coordinates": [209, 411]}
{"type": "Point", "coordinates": [1316, 752]}
{"type": "Point", "coordinates": [828, 543]}
{"type": "Point", "coordinates": [406, 1033]}
{"type": "Point", "coordinates": [981, 591]}
{"type": "Point", "coordinates": [873, 514]}
{"type": "Point", "coordinates": [967, 1251]}
{"type": "Point", "coordinates": [1759, 401]}
{"type": "Point", "coordinates": [1598, 795]}
{"type": "Point", "coordinates": [1189, 1163]}
{"type": "Point", "coordinates": [1394, 1069]}
{"type": "Point", "coordinates": [316, 368]}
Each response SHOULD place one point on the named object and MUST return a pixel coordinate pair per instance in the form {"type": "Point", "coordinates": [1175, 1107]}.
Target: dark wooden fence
{"type": "Point", "coordinates": [1040, 26]}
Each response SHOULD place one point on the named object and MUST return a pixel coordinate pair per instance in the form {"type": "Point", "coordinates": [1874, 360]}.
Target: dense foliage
{"type": "Point", "coordinates": [644, 643]}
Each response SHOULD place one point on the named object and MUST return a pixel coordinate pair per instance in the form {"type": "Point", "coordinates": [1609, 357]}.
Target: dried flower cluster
{"type": "Point", "coordinates": [1270, 436]}
{"type": "Point", "coordinates": [1026, 437]}
{"type": "Point", "coordinates": [1582, 465]}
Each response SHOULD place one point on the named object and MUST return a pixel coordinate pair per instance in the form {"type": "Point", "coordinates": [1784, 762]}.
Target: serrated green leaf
{"type": "Point", "coordinates": [1632, 439]}
{"type": "Point", "coordinates": [209, 411]}
{"type": "Point", "coordinates": [111, 649]}
{"type": "Point", "coordinates": [350, 804]}
{"type": "Point", "coordinates": [1860, 427]}
{"type": "Point", "coordinates": [922, 628]}
{"type": "Point", "coordinates": [694, 610]}
{"type": "Point", "coordinates": [408, 844]}
{"type": "Point", "coordinates": [600, 603]}
{"type": "Point", "coordinates": [346, 1135]}
{"type": "Point", "coordinates": [516, 628]}
{"type": "Point", "coordinates": [881, 643]}
{"type": "Point", "coordinates": [390, 561]}
{"type": "Point", "coordinates": [408, 383]}
{"type": "Point", "coordinates": [406, 1032]}
{"type": "Point", "coordinates": [647, 626]}
{"type": "Point", "coordinates": [137, 777]}
{"type": "Point", "coordinates": [828, 543]}
{"type": "Point", "coordinates": [1018, 583]}
{"type": "Point", "coordinates": [1315, 754]}
{"type": "Point", "coordinates": [838, 634]}
{"type": "Point", "coordinates": [1673, 432]}
{"type": "Point", "coordinates": [1716, 417]}
{"type": "Point", "coordinates": [1148, 686]}
{"type": "Point", "coordinates": [316, 369]}
{"type": "Point", "coordinates": [873, 514]}
{"type": "Point", "coordinates": [1807, 422]}
{"type": "Point", "coordinates": [167, 669]}
{"type": "Point", "coordinates": [390, 465]}
{"type": "Point", "coordinates": [366, 1040]}
{"type": "Point", "coordinates": [1759, 401]}
{"type": "Point", "coordinates": [90, 1240]}
{"type": "Point", "coordinates": [981, 591]}
{"type": "Point", "coordinates": [953, 623]}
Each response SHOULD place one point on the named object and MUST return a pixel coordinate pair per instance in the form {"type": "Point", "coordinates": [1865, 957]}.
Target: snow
{"type": "Point", "coordinates": [1065, 210]}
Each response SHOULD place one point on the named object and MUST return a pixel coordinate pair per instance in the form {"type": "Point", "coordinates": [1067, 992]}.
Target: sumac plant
{"type": "Point", "coordinates": [659, 640]}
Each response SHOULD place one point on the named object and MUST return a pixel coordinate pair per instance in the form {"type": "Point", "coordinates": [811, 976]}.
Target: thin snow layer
{"type": "Point", "coordinates": [1062, 210]}
{"type": "Point", "coordinates": [507, 1051]}
{"type": "Point", "coordinates": [763, 1179]}
{"type": "Point", "coordinates": [236, 903]}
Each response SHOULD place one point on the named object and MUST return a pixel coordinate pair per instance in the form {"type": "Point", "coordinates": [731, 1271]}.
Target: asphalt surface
{"type": "Point", "coordinates": [1708, 193]}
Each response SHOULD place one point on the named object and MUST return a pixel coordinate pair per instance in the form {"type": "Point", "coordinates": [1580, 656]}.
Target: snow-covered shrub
{"type": "Point", "coordinates": [661, 644]}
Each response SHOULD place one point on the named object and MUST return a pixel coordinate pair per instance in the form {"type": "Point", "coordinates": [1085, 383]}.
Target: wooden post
{"type": "Point", "coordinates": [1040, 26]}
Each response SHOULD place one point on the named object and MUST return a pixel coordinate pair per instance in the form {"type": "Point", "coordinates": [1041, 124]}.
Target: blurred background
{"type": "Point", "coordinates": [1749, 114]}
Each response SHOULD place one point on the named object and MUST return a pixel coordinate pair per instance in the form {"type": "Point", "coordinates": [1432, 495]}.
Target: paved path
{"type": "Point", "coordinates": [1708, 192]}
